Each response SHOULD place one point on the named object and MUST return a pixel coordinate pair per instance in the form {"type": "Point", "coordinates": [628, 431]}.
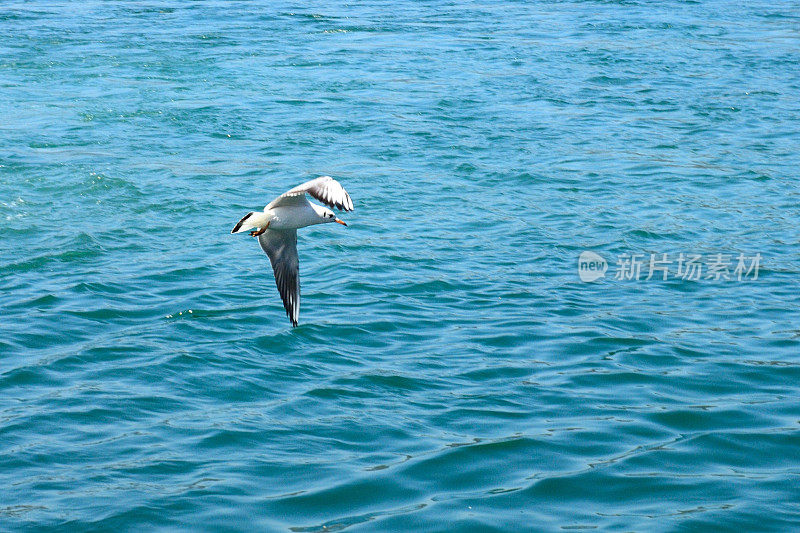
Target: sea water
{"type": "Point", "coordinates": [455, 369]}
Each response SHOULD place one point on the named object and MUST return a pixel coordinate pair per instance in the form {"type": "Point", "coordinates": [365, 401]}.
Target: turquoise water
{"type": "Point", "coordinates": [451, 371]}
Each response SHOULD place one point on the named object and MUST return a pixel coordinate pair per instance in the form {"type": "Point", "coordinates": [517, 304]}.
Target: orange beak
{"type": "Point", "coordinates": [340, 222]}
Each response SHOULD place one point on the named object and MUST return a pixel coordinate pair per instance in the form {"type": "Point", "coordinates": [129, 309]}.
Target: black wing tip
{"type": "Point", "coordinates": [239, 224]}
{"type": "Point", "coordinates": [288, 308]}
{"type": "Point", "coordinates": [346, 207]}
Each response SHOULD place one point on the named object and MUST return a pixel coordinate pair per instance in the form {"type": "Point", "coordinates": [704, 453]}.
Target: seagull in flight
{"type": "Point", "coordinates": [276, 229]}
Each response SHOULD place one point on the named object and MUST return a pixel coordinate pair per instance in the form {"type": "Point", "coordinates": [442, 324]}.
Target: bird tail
{"type": "Point", "coordinates": [243, 224]}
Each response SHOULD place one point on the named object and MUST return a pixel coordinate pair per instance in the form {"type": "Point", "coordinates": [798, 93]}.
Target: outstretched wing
{"type": "Point", "coordinates": [281, 247]}
{"type": "Point", "coordinates": [325, 189]}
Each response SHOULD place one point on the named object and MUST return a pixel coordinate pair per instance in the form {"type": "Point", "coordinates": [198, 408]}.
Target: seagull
{"type": "Point", "coordinates": [276, 229]}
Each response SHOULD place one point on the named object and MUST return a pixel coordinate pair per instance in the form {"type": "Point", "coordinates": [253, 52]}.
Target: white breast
{"type": "Point", "coordinates": [293, 217]}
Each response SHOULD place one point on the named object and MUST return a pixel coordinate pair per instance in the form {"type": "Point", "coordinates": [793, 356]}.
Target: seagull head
{"type": "Point", "coordinates": [328, 216]}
